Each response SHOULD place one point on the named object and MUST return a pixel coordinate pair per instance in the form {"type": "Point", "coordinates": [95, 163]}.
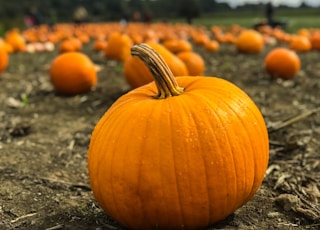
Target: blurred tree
{"type": "Point", "coordinates": [189, 9]}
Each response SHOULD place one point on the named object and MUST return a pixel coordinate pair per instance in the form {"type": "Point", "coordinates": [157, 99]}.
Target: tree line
{"type": "Point", "coordinates": [112, 10]}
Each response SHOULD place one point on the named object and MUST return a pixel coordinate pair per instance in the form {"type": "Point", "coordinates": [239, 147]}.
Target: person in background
{"type": "Point", "coordinates": [80, 15]}
{"type": "Point", "coordinates": [33, 18]}
{"type": "Point", "coordinates": [269, 13]}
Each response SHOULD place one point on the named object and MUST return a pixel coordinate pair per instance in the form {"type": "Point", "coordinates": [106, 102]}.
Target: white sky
{"type": "Point", "coordinates": [291, 3]}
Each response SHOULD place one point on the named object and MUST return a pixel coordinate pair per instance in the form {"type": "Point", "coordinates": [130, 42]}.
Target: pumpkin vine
{"type": "Point", "coordinates": [165, 81]}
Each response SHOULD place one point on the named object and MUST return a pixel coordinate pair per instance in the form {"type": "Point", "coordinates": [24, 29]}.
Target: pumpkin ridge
{"type": "Point", "coordinates": [116, 123]}
{"type": "Point", "coordinates": [99, 145]}
{"type": "Point", "coordinates": [203, 161]}
{"type": "Point", "coordinates": [178, 189]}
{"type": "Point", "coordinates": [204, 98]}
{"type": "Point", "coordinates": [186, 110]}
{"type": "Point", "coordinates": [265, 137]}
{"type": "Point", "coordinates": [240, 104]}
{"type": "Point", "coordinates": [230, 150]}
{"type": "Point", "coordinates": [251, 147]}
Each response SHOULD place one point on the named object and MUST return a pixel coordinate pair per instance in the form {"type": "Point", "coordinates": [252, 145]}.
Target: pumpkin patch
{"type": "Point", "coordinates": [128, 124]}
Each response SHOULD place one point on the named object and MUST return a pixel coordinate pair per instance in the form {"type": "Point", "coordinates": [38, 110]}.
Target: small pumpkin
{"type": "Point", "coordinates": [212, 46]}
{"type": "Point", "coordinates": [249, 41]}
{"type": "Point", "coordinates": [16, 40]}
{"type": "Point", "coordinates": [281, 62]}
{"type": "Point", "coordinates": [315, 40]}
{"type": "Point", "coordinates": [73, 73]}
{"type": "Point", "coordinates": [71, 44]}
{"type": "Point", "coordinates": [177, 45]}
{"type": "Point", "coordinates": [137, 74]}
{"type": "Point", "coordinates": [300, 43]}
{"type": "Point", "coordinates": [194, 62]}
{"type": "Point", "coordinates": [100, 45]}
{"type": "Point", "coordinates": [4, 56]}
{"type": "Point", "coordinates": [178, 153]}
{"type": "Point", "coordinates": [118, 47]}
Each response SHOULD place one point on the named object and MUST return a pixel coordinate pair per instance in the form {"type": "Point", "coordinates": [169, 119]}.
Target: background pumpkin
{"type": "Point", "coordinates": [282, 62]}
{"type": "Point", "coordinates": [193, 61]}
{"type": "Point", "coordinates": [4, 56]}
{"type": "Point", "coordinates": [249, 41]}
{"type": "Point", "coordinates": [72, 73]}
{"type": "Point", "coordinates": [118, 47]}
{"type": "Point", "coordinates": [179, 153]}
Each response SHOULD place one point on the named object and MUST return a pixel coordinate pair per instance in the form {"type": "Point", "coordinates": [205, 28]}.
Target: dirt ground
{"type": "Point", "coordinates": [44, 139]}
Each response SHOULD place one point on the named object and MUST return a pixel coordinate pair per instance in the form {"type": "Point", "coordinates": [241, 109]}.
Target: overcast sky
{"type": "Point", "coordinates": [292, 3]}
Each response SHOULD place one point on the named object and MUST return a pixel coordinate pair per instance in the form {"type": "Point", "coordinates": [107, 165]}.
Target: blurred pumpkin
{"type": "Point", "coordinates": [4, 56]}
{"type": "Point", "coordinates": [300, 43]}
{"type": "Point", "coordinates": [282, 62]}
{"type": "Point", "coordinates": [118, 47]}
{"type": "Point", "coordinates": [315, 40]}
{"type": "Point", "coordinates": [177, 45]}
{"type": "Point", "coordinates": [73, 73]}
{"type": "Point", "coordinates": [196, 149]}
{"type": "Point", "coordinates": [249, 41]}
{"type": "Point", "coordinates": [70, 44]}
{"type": "Point", "coordinates": [212, 46]}
{"type": "Point", "coordinates": [193, 61]}
{"type": "Point", "coordinates": [16, 40]}
{"type": "Point", "coordinates": [100, 45]}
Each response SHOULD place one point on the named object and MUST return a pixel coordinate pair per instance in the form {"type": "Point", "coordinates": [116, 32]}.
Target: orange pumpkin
{"type": "Point", "coordinates": [72, 73]}
{"type": "Point", "coordinates": [194, 62]}
{"type": "Point", "coordinates": [300, 43]}
{"type": "Point", "coordinates": [282, 62]}
{"type": "Point", "coordinates": [178, 153]}
{"type": "Point", "coordinates": [249, 41]}
{"type": "Point", "coordinates": [212, 46]}
{"type": "Point", "coordinates": [100, 45]}
{"type": "Point", "coordinates": [71, 44]}
{"type": "Point", "coordinates": [315, 41]}
{"type": "Point", "coordinates": [4, 56]}
{"type": "Point", "coordinates": [137, 74]}
{"type": "Point", "coordinates": [16, 40]}
{"type": "Point", "coordinates": [177, 45]}
{"type": "Point", "coordinates": [118, 47]}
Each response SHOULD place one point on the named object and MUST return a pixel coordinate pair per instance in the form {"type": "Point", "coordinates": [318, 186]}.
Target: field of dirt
{"type": "Point", "coordinates": [44, 140]}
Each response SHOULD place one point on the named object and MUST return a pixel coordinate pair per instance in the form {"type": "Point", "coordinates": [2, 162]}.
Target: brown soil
{"type": "Point", "coordinates": [44, 140]}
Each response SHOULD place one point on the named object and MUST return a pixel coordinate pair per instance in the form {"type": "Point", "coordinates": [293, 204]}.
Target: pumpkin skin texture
{"type": "Point", "coordinates": [72, 73]}
{"type": "Point", "coordinates": [194, 152]}
{"type": "Point", "coordinates": [282, 63]}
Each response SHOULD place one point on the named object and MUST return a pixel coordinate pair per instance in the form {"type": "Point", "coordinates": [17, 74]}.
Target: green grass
{"type": "Point", "coordinates": [295, 18]}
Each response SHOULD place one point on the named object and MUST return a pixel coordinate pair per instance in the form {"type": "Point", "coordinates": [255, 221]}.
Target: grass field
{"type": "Point", "coordinates": [295, 18]}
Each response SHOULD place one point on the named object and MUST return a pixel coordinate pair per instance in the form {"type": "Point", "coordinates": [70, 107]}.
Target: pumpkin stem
{"type": "Point", "coordinates": [163, 77]}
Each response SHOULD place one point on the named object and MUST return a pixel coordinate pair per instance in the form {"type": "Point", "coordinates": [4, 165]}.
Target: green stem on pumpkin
{"type": "Point", "coordinates": [163, 77]}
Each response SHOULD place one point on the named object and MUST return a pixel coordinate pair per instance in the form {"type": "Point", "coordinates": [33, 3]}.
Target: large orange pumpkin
{"type": "Point", "coordinates": [72, 73]}
{"type": "Point", "coordinates": [178, 153]}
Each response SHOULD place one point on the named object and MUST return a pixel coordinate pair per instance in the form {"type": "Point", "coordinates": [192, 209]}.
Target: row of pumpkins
{"type": "Point", "coordinates": [174, 42]}
{"type": "Point", "coordinates": [197, 147]}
